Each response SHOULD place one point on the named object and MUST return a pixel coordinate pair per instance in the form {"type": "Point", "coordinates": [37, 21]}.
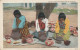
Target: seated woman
{"type": "Point", "coordinates": [41, 25]}
{"type": "Point", "coordinates": [20, 23]}
{"type": "Point", "coordinates": [62, 29]}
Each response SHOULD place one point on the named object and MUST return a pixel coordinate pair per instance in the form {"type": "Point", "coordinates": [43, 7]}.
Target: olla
{"type": "Point", "coordinates": [49, 42]}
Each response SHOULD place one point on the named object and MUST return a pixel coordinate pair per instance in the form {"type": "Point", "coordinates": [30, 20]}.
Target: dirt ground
{"type": "Point", "coordinates": [30, 16]}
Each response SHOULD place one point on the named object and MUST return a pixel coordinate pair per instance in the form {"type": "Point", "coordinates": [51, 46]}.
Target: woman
{"type": "Point", "coordinates": [62, 29]}
{"type": "Point", "coordinates": [41, 25]}
{"type": "Point", "coordinates": [20, 23]}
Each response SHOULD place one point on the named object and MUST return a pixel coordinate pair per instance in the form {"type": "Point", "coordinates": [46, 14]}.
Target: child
{"type": "Point", "coordinates": [62, 29]}
{"type": "Point", "coordinates": [20, 23]}
{"type": "Point", "coordinates": [41, 25]}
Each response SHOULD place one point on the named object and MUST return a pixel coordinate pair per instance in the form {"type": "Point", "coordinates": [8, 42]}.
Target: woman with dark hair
{"type": "Point", "coordinates": [41, 25]}
{"type": "Point", "coordinates": [20, 23]}
{"type": "Point", "coordinates": [62, 31]}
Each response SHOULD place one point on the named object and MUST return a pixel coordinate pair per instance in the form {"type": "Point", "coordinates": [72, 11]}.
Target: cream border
{"type": "Point", "coordinates": [33, 1]}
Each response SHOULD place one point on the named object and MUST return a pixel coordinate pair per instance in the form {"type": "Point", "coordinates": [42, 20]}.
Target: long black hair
{"type": "Point", "coordinates": [41, 15]}
{"type": "Point", "coordinates": [16, 12]}
{"type": "Point", "coordinates": [62, 15]}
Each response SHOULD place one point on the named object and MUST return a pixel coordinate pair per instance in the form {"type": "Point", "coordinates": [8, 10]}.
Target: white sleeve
{"type": "Point", "coordinates": [37, 26]}
{"type": "Point", "coordinates": [46, 25]}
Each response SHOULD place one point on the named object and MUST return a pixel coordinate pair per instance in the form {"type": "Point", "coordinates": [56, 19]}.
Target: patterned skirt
{"type": "Point", "coordinates": [24, 31]}
{"type": "Point", "coordinates": [65, 37]}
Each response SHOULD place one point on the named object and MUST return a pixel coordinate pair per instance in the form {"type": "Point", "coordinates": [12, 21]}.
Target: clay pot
{"type": "Point", "coordinates": [16, 35]}
{"type": "Point", "coordinates": [29, 24]}
{"type": "Point", "coordinates": [71, 28]}
{"type": "Point", "coordinates": [75, 33]}
{"type": "Point", "coordinates": [8, 41]}
{"type": "Point", "coordinates": [33, 23]}
{"type": "Point", "coordinates": [29, 40]}
{"type": "Point", "coordinates": [23, 40]}
{"type": "Point", "coordinates": [67, 43]}
{"type": "Point", "coordinates": [42, 36]}
{"type": "Point", "coordinates": [49, 42]}
{"type": "Point", "coordinates": [7, 36]}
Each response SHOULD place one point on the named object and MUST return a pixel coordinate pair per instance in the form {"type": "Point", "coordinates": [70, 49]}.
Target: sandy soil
{"type": "Point", "coordinates": [30, 16]}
